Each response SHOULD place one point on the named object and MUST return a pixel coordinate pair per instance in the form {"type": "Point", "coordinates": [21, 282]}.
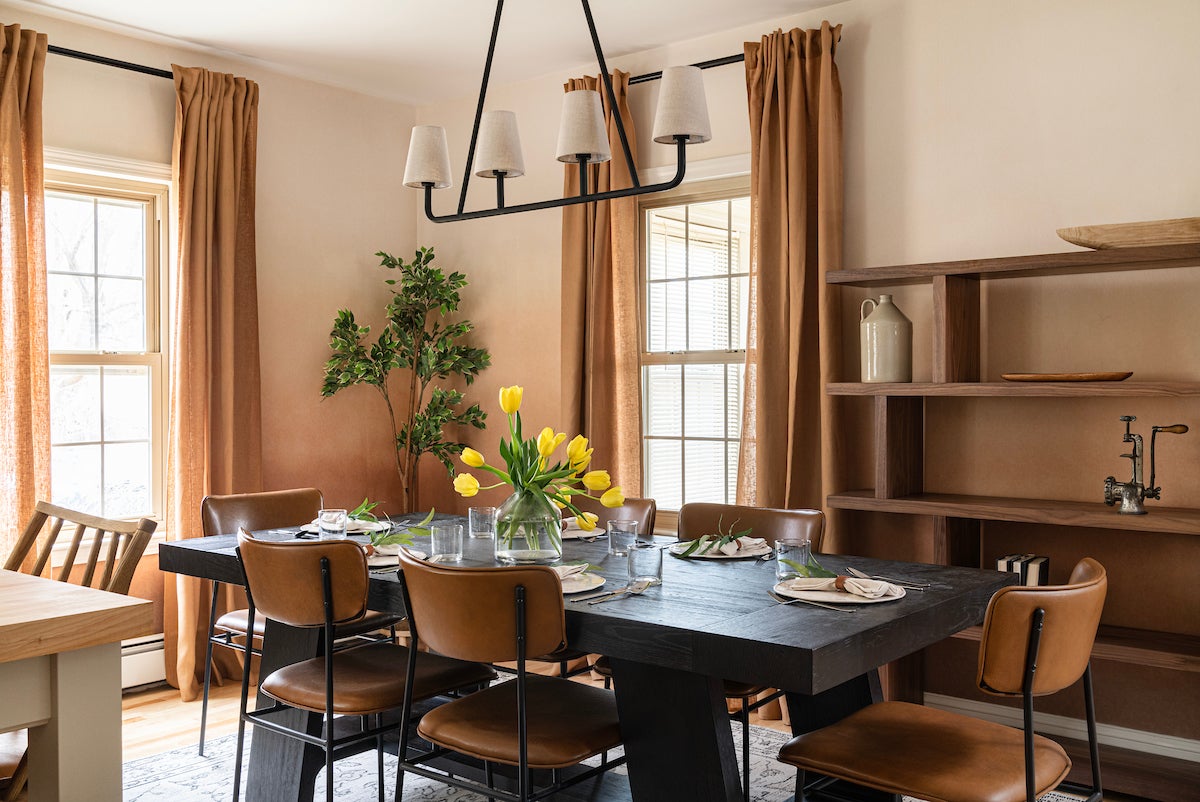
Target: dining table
{"type": "Point", "coordinates": [671, 647]}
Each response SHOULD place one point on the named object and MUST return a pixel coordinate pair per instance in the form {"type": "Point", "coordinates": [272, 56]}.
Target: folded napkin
{"type": "Point", "coordinates": [867, 588]}
{"type": "Point", "coordinates": [565, 571]}
{"type": "Point", "coordinates": [352, 525]}
{"type": "Point", "coordinates": [744, 543]}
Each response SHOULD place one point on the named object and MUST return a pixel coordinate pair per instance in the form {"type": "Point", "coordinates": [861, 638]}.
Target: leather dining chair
{"type": "Point", "coordinates": [1036, 641]}
{"type": "Point", "coordinates": [320, 584]}
{"type": "Point", "coordinates": [225, 515]}
{"type": "Point", "coordinates": [113, 550]}
{"type": "Point", "coordinates": [702, 518]}
{"type": "Point", "coordinates": [532, 722]}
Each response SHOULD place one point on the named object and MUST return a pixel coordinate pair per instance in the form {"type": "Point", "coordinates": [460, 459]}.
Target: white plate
{"type": "Point", "coordinates": [757, 551]}
{"type": "Point", "coordinates": [578, 583]}
{"type": "Point", "coordinates": [834, 596]}
{"type": "Point", "coordinates": [352, 527]}
{"type": "Point", "coordinates": [387, 560]}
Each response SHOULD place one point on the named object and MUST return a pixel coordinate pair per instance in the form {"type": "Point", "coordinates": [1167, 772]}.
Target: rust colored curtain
{"type": "Point", "coordinates": [24, 352]}
{"type": "Point", "coordinates": [215, 420]}
{"type": "Point", "coordinates": [789, 457]}
{"type": "Point", "coordinates": [600, 347]}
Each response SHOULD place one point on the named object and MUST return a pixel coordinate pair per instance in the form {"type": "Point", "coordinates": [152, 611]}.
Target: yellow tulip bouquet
{"type": "Point", "coordinates": [542, 487]}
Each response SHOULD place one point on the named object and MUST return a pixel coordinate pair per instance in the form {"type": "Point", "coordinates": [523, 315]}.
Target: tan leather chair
{"type": "Point", "coordinates": [323, 584]}
{"type": "Point", "coordinates": [532, 722]}
{"type": "Point", "coordinates": [225, 515]}
{"type": "Point", "coordinates": [1036, 641]}
{"type": "Point", "coordinates": [112, 548]}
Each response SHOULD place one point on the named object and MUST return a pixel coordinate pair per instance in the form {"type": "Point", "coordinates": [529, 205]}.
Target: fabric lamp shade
{"type": "Point", "coordinates": [499, 149]}
{"type": "Point", "coordinates": [428, 158]}
{"type": "Point", "coordinates": [582, 131]}
{"type": "Point", "coordinates": [682, 108]}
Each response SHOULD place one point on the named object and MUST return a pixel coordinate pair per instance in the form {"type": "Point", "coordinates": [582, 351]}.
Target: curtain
{"type": "Point", "coordinates": [24, 350]}
{"type": "Point", "coordinates": [789, 454]}
{"type": "Point", "coordinates": [601, 379]}
{"type": "Point", "coordinates": [215, 420]}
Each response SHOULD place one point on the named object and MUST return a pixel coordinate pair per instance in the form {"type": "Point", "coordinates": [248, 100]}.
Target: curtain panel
{"type": "Point", "coordinates": [24, 349]}
{"type": "Point", "coordinates": [790, 454]}
{"type": "Point", "coordinates": [215, 419]}
{"type": "Point", "coordinates": [601, 379]}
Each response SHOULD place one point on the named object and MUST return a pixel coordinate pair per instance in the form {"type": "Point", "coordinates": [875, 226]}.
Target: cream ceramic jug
{"type": "Point", "coordinates": [885, 336]}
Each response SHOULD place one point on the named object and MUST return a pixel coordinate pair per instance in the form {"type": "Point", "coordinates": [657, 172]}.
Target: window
{"type": "Point", "coordinates": [104, 258]}
{"type": "Point", "coordinates": [695, 269]}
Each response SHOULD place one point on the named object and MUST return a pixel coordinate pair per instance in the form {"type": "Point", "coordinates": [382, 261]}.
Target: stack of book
{"type": "Point", "coordinates": [1033, 568]}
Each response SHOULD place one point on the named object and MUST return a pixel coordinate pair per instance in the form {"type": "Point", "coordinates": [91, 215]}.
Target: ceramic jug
{"type": "Point", "coordinates": [886, 339]}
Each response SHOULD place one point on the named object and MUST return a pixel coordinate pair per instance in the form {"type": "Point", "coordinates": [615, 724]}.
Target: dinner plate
{"type": "Point", "coordinates": [578, 583]}
{"type": "Point", "coordinates": [571, 530]}
{"type": "Point", "coordinates": [352, 527]}
{"type": "Point", "coordinates": [760, 550]}
{"type": "Point", "coordinates": [833, 596]}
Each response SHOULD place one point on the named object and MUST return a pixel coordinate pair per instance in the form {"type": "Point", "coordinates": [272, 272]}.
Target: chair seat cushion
{"type": "Point", "coordinates": [370, 679]}
{"type": "Point", "coordinates": [236, 622]}
{"type": "Point", "coordinates": [732, 689]}
{"type": "Point", "coordinates": [567, 722]}
{"type": "Point", "coordinates": [564, 655]}
{"type": "Point", "coordinates": [937, 756]}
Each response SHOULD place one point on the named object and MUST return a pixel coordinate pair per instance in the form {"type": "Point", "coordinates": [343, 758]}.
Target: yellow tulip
{"type": "Point", "coordinates": [472, 458]}
{"type": "Point", "coordinates": [466, 485]}
{"type": "Point", "coordinates": [576, 448]}
{"type": "Point", "coordinates": [547, 441]}
{"type": "Point", "coordinates": [597, 480]}
{"type": "Point", "coordinates": [510, 398]}
{"type": "Point", "coordinates": [587, 520]}
{"type": "Point", "coordinates": [613, 497]}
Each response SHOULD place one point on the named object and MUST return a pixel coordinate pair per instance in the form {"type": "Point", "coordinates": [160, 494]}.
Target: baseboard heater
{"type": "Point", "coordinates": [142, 661]}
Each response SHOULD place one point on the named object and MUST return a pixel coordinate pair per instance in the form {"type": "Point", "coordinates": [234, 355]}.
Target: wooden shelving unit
{"type": "Point", "coordinates": [1125, 389]}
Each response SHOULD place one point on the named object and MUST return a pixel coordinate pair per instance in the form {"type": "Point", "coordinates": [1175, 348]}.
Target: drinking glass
{"type": "Point", "coordinates": [790, 556]}
{"type": "Point", "coordinates": [331, 524]}
{"type": "Point", "coordinates": [481, 522]}
{"type": "Point", "coordinates": [621, 535]}
{"type": "Point", "coordinates": [446, 543]}
{"type": "Point", "coordinates": [645, 563]}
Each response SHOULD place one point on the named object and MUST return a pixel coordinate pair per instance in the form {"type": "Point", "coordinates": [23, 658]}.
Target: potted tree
{"type": "Point", "coordinates": [418, 341]}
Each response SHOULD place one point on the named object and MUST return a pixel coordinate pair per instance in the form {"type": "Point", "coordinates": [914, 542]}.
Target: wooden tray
{"type": "Point", "coordinates": [1118, 376]}
{"type": "Point", "coordinates": [1180, 231]}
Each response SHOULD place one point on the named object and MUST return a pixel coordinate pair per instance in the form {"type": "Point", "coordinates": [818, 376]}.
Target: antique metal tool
{"type": "Point", "coordinates": [1132, 494]}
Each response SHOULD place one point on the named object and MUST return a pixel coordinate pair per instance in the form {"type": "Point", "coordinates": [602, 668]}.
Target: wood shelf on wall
{"type": "Point", "coordinates": [1135, 646]}
{"type": "Point", "coordinates": [1171, 389]}
{"type": "Point", "coordinates": [1170, 520]}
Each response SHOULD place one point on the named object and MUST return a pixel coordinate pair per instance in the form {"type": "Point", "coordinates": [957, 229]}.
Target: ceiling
{"type": "Point", "coordinates": [416, 51]}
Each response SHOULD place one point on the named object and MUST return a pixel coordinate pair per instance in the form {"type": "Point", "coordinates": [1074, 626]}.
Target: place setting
{"type": "Point", "coordinates": [723, 545]}
{"type": "Point", "coordinates": [800, 578]}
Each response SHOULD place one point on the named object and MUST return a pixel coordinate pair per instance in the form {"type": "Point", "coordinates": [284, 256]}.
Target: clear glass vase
{"type": "Point", "coordinates": [528, 530]}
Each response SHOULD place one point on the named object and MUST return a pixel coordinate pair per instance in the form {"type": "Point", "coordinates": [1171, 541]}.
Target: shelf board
{"type": "Point", "coordinates": [1019, 389]}
{"type": "Point", "coordinates": [1137, 646]}
{"type": "Point", "coordinates": [1050, 264]}
{"type": "Point", "coordinates": [1173, 520]}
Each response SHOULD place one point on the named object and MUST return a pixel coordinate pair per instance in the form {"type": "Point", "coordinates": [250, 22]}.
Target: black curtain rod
{"type": "Point", "coordinates": [126, 65]}
{"type": "Point", "coordinates": [111, 62]}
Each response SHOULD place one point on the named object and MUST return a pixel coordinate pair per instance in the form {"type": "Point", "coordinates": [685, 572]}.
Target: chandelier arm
{"type": "Point", "coordinates": [487, 71]}
{"type": "Point", "coordinates": [681, 166]}
{"type": "Point", "coordinates": [612, 97]}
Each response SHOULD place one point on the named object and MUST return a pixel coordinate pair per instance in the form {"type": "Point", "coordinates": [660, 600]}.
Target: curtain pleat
{"type": "Point", "coordinates": [790, 447]}
{"type": "Point", "coordinates": [215, 419]}
{"type": "Point", "coordinates": [601, 379]}
{"type": "Point", "coordinates": [24, 349]}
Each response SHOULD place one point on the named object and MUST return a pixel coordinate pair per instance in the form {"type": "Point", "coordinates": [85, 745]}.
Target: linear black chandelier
{"type": "Point", "coordinates": [495, 149]}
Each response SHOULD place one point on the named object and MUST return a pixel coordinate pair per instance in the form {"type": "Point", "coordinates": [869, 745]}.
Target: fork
{"type": "Point", "coordinates": [636, 589]}
{"type": "Point", "coordinates": [782, 600]}
{"type": "Point", "coordinates": [904, 583]}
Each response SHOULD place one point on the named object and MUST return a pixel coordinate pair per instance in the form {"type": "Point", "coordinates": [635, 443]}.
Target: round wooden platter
{"type": "Point", "coordinates": [1117, 376]}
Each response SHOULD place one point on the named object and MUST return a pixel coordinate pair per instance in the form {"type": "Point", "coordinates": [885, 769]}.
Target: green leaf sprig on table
{"type": "Point", "coordinates": [706, 543]}
{"type": "Point", "coordinates": [812, 569]}
{"type": "Point", "coordinates": [364, 511]}
{"type": "Point", "coordinates": [404, 537]}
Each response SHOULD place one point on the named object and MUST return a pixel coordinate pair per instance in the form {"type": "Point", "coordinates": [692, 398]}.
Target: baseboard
{"type": "Point", "coordinates": [1111, 735]}
{"type": "Point", "coordinates": [142, 661]}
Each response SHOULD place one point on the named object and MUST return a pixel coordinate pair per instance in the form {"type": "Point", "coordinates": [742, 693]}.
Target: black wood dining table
{"type": "Point", "coordinates": [671, 648]}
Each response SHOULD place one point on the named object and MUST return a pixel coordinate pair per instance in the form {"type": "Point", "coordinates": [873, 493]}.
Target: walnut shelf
{"type": "Point", "coordinates": [1137, 646]}
{"type": "Point", "coordinates": [1018, 389]}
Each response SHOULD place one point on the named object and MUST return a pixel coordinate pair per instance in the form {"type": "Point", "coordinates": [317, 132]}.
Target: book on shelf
{"type": "Point", "coordinates": [1034, 569]}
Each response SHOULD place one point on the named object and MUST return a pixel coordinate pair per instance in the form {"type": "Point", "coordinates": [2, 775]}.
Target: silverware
{"type": "Point", "coordinates": [386, 570]}
{"type": "Point", "coordinates": [636, 589]}
{"type": "Point", "coordinates": [598, 594]}
{"type": "Point", "coordinates": [904, 583]}
{"type": "Point", "coordinates": [785, 600]}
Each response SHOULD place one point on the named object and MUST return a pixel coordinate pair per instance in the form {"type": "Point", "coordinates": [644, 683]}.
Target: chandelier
{"type": "Point", "coordinates": [495, 150]}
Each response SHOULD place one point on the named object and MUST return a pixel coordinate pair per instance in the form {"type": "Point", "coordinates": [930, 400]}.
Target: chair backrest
{"type": "Point", "coordinates": [284, 579]}
{"type": "Point", "coordinates": [702, 518]}
{"type": "Point", "coordinates": [641, 510]}
{"type": "Point", "coordinates": [119, 545]}
{"type": "Point", "coordinates": [470, 613]}
{"type": "Point", "coordinates": [225, 515]}
{"type": "Point", "coordinates": [1068, 631]}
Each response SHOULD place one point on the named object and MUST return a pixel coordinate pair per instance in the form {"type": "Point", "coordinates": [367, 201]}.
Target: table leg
{"type": "Point", "coordinates": [676, 732]}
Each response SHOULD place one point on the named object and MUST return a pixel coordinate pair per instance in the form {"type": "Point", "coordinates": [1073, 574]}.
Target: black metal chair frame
{"type": "Point", "coordinates": [524, 793]}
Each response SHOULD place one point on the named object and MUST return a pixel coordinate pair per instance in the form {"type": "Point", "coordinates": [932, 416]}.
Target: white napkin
{"type": "Point", "coordinates": [867, 588]}
{"type": "Point", "coordinates": [565, 571]}
{"type": "Point", "coordinates": [353, 525]}
{"type": "Point", "coordinates": [743, 543]}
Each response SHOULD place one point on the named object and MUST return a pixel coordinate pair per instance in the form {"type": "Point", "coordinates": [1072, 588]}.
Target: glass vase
{"type": "Point", "coordinates": [528, 530]}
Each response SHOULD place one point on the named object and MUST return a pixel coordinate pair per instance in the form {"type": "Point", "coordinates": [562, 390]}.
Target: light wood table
{"type": "Point", "coordinates": [60, 677]}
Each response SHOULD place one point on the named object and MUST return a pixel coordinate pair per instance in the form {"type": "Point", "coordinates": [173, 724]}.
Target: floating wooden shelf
{"type": "Point", "coordinates": [1137, 646]}
{"type": "Point", "coordinates": [1018, 389]}
{"type": "Point", "coordinates": [1174, 520]}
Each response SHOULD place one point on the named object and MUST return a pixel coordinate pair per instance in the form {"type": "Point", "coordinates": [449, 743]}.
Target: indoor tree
{"type": "Point", "coordinates": [418, 340]}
